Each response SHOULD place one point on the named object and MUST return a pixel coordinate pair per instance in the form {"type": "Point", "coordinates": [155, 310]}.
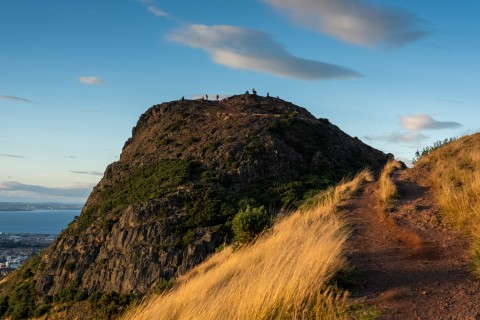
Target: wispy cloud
{"type": "Point", "coordinates": [96, 81]}
{"type": "Point", "coordinates": [6, 155]}
{"type": "Point", "coordinates": [250, 49]}
{"type": "Point", "coordinates": [449, 101]}
{"type": "Point", "coordinates": [397, 137]}
{"type": "Point", "coordinates": [13, 98]}
{"type": "Point", "coordinates": [157, 11]}
{"type": "Point", "coordinates": [17, 190]}
{"type": "Point", "coordinates": [354, 21]}
{"type": "Point", "coordinates": [94, 173]}
{"type": "Point", "coordinates": [424, 121]}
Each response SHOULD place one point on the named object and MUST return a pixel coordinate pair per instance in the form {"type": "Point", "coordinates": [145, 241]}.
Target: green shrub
{"type": "Point", "coordinates": [41, 310]}
{"type": "Point", "coordinates": [21, 311]}
{"type": "Point", "coordinates": [427, 150]}
{"type": "Point", "coordinates": [3, 305]}
{"type": "Point", "coordinates": [163, 285]}
{"type": "Point", "coordinates": [138, 186]}
{"type": "Point", "coordinates": [208, 207]}
{"type": "Point", "coordinates": [20, 303]}
{"type": "Point", "coordinates": [111, 304]}
{"type": "Point", "coordinates": [70, 265]}
{"type": "Point", "coordinates": [146, 182]}
{"type": "Point", "coordinates": [249, 222]}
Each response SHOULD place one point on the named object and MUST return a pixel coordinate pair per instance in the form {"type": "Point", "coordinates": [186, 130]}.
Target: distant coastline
{"type": "Point", "coordinates": [24, 206]}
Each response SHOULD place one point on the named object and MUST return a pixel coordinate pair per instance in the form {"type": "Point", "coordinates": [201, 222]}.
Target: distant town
{"type": "Point", "coordinates": [23, 206]}
{"type": "Point", "coordinates": [16, 248]}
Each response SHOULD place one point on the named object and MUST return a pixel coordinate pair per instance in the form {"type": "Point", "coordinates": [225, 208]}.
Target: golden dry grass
{"type": "Point", "coordinates": [455, 178]}
{"type": "Point", "coordinates": [284, 274]}
{"type": "Point", "coordinates": [387, 191]}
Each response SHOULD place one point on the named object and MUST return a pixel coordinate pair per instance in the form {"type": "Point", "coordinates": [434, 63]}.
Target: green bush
{"type": "Point", "coordinates": [427, 150]}
{"type": "Point", "coordinates": [111, 304]}
{"type": "Point", "coordinates": [249, 222]}
{"type": "Point", "coordinates": [3, 305]}
{"type": "Point", "coordinates": [70, 265]}
{"type": "Point", "coordinates": [21, 304]}
{"type": "Point", "coordinates": [145, 183]}
{"type": "Point", "coordinates": [163, 285]}
{"type": "Point", "coordinates": [208, 207]}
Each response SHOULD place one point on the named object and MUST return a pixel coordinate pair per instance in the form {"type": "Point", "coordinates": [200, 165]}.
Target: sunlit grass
{"type": "Point", "coordinates": [284, 274]}
{"type": "Point", "coordinates": [387, 191]}
{"type": "Point", "coordinates": [455, 178]}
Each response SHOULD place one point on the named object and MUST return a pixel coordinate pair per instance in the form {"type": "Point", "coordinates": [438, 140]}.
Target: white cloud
{"type": "Point", "coordinates": [250, 49]}
{"type": "Point", "coordinates": [156, 11]}
{"type": "Point", "coordinates": [424, 121]}
{"type": "Point", "coordinates": [13, 98]}
{"type": "Point", "coordinates": [12, 190]}
{"type": "Point", "coordinates": [91, 80]}
{"type": "Point", "coordinates": [397, 137]}
{"type": "Point", "coordinates": [354, 21]}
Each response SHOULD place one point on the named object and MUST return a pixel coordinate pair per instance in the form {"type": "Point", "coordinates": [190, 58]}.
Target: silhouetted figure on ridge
{"type": "Point", "coordinates": [218, 97]}
{"type": "Point", "coordinates": [206, 96]}
{"type": "Point", "coordinates": [254, 92]}
{"type": "Point", "coordinates": [268, 94]}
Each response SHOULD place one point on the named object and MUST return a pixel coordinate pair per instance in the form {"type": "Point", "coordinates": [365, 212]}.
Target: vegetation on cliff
{"type": "Point", "coordinates": [170, 201]}
{"type": "Point", "coordinates": [285, 274]}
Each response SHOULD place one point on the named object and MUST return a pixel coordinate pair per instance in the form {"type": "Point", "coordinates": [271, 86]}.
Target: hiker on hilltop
{"type": "Point", "coordinates": [218, 97]}
{"type": "Point", "coordinates": [206, 96]}
{"type": "Point", "coordinates": [254, 92]}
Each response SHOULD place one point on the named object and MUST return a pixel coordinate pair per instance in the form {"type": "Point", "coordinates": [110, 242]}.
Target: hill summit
{"type": "Point", "coordinates": [188, 168]}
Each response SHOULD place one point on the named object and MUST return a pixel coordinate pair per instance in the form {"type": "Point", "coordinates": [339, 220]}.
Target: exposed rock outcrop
{"type": "Point", "coordinates": [182, 176]}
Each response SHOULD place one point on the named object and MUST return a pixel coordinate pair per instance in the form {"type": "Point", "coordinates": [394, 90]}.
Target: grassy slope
{"type": "Point", "coordinates": [284, 274]}
{"type": "Point", "coordinates": [455, 178]}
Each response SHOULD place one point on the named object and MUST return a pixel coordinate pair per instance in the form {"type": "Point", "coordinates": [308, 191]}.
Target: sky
{"type": "Point", "coordinates": [76, 75]}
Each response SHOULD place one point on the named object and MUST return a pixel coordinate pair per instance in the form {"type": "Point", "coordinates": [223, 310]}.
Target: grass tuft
{"type": "Point", "coordinates": [387, 192]}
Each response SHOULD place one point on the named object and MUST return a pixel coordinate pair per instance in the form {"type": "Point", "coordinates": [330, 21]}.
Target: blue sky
{"type": "Point", "coordinates": [76, 75]}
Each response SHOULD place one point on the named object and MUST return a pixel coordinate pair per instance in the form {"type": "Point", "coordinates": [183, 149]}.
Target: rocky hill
{"type": "Point", "coordinates": [412, 252]}
{"type": "Point", "coordinates": [188, 168]}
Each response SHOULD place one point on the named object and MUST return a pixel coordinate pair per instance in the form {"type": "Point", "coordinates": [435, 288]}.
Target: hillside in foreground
{"type": "Point", "coordinates": [285, 274]}
{"type": "Point", "coordinates": [189, 168]}
{"type": "Point", "coordinates": [408, 254]}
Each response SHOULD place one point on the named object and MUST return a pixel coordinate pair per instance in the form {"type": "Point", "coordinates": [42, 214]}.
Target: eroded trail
{"type": "Point", "coordinates": [407, 264]}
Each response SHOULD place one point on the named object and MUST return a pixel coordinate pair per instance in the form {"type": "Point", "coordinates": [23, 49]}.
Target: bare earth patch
{"type": "Point", "coordinates": [407, 264]}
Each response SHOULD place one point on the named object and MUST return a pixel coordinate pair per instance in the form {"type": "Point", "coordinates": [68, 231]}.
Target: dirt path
{"type": "Point", "coordinates": [407, 264]}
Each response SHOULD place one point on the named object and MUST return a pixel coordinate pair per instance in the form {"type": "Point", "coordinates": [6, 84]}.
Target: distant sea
{"type": "Point", "coordinates": [37, 221]}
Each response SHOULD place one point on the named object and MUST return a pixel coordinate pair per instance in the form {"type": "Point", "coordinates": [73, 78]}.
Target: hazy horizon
{"type": "Point", "coordinates": [76, 76]}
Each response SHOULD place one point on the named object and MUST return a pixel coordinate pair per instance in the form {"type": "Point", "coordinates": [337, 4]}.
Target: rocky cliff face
{"type": "Point", "coordinates": [182, 176]}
